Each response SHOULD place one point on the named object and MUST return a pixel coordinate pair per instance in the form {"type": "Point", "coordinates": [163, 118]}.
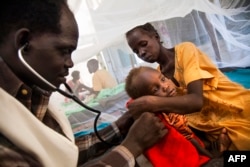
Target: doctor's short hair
{"type": "Point", "coordinates": [37, 15]}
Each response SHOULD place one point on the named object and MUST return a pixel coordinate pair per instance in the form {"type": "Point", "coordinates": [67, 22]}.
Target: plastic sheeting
{"type": "Point", "coordinates": [221, 28]}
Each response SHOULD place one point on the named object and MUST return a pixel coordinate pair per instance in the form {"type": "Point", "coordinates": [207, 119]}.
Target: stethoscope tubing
{"type": "Point", "coordinates": [68, 94]}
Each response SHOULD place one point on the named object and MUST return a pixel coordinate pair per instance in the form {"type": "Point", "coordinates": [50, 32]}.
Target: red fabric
{"type": "Point", "coordinates": [174, 150]}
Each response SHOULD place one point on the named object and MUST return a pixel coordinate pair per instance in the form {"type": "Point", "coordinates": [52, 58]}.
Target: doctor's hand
{"type": "Point", "coordinates": [143, 104]}
{"type": "Point", "coordinates": [144, 133]}
{"type": "Point", "coordinates": [124, 122]}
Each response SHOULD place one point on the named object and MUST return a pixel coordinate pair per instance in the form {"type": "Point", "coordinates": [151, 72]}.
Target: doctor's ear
{"type": "Point", "coordinates": [26, 47]}
{"type": "Point", "coordinates": [22, 38]}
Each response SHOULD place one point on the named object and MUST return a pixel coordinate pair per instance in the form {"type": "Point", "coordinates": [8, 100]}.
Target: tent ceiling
{"type": "Point", "coordinates": [102, 23]}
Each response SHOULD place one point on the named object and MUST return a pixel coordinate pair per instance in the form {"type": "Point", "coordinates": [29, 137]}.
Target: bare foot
{"type": "Point", "coordinates": [221, 144]}
{"type": "Point", "coordinates": [224, 140]}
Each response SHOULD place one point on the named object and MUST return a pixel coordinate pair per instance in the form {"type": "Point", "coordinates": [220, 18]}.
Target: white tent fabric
{"type": "Point", "coordinates": [219, 27]}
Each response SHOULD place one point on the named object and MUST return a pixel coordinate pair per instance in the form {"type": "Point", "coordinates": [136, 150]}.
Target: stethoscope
{"type": "Point", "coordinates": [68, 94]}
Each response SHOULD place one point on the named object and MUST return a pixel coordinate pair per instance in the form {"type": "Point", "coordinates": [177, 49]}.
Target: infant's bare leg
{"type": "Point", "coordinates": [221, 144]}
{"type": "Point", "coordinates": [224, 140]}
{"type": "Point", "coordinates": [200, 149]}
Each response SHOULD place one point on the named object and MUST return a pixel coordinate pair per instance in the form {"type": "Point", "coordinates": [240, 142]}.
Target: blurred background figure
{"type": "Point", "coordinates": [102, 79]}
{"type": "Point", "coordinates": [78, 88]}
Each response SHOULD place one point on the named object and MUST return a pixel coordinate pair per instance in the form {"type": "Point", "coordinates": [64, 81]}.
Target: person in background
{"type": "Point", "coordinates": [101, 79]}
{"type": "Point", "coordinates": [77, 87]}
{"type": "Point", "coordinates": [32, 133]}
{"type": "Point", "coordinates": [214, 105]}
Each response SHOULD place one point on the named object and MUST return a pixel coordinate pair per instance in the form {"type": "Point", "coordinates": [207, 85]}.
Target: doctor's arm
{"type": "Point", "coordinates": [144, 132]}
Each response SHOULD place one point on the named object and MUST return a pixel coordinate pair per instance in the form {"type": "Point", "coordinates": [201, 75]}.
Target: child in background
{"type": "Point", "coordinates": [77, 87]}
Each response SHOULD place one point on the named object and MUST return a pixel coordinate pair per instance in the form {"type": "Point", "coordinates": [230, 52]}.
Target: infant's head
{"type": "Point", "coordinates": [146, 80]}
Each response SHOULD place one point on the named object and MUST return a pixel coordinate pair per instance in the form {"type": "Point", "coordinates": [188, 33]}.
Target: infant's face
{"type": "Point", "coordinates": [157, 84]}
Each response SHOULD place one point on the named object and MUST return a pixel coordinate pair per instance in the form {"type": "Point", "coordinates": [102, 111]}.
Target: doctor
{"type": "Point", "coordinates": [45, 33]}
